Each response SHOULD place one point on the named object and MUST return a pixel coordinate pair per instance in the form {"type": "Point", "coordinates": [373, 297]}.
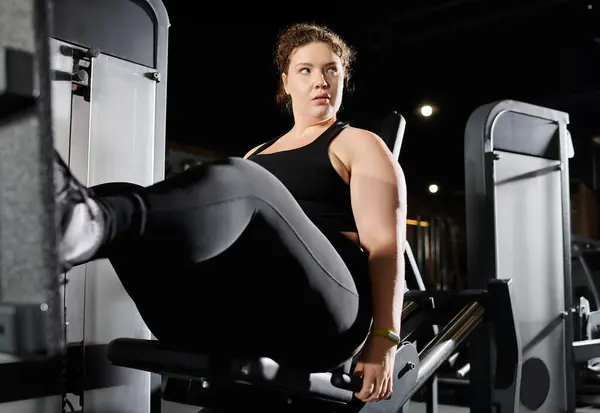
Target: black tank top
{"type": "Point", "coordinates": [308, 174]}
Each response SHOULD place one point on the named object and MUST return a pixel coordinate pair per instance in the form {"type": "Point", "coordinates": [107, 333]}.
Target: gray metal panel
{"type": "Point", "coordinates": [529, 249]}
{"type": "Point", "coordinates": [136, 32]}
{"type": "Point", "coordinates": [519, 228]}
{"type": "Point", "coordinates": [129, 36]}
{"type": "Point", "coordinates": [120, 146]}
{"type": "Point", "coordinates": [479, 160]}
{"type": "Point", "coordinates": [83, 35]}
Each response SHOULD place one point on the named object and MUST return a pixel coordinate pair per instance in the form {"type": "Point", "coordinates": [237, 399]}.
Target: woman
{"type": "Point", "coordinates": [295, 252]}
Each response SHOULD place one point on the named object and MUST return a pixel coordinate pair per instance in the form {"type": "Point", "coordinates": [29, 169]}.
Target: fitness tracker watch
{"type": "Point", "coordinates": [390, 335]}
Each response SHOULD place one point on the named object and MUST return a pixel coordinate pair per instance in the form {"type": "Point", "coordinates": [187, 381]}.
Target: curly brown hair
{"type": "Point", "coordinates": [301, 34]}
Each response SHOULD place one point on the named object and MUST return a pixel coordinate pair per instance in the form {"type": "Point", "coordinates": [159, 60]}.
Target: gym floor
{"type": "Point", "coordinates": [415, 407]}
{"type": "Point", "coordinates": [420, 408]}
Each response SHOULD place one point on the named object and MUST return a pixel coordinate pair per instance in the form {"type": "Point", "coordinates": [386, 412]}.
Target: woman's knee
{"type": "Point", "coordinates": [249, 167]}
{"type": "Point", "coordinates": [245, 165]}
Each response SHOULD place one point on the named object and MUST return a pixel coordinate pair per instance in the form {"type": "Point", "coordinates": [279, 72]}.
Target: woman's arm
{"type": "Point", "coordinates": [378, 191]}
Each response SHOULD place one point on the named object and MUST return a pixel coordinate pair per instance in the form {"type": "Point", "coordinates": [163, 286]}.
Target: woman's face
{"type": "Point", "coordinates": [315, 81]}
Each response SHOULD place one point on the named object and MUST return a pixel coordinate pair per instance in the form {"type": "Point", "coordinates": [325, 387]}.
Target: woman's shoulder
{"type": "Point", "coordinates": [359, 139]}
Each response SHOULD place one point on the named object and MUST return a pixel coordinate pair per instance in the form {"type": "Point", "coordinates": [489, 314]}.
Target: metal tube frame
{"type": "Point", "coordinates": [486, 314]}
{"type": "Point", "coordinates": [445, 343]}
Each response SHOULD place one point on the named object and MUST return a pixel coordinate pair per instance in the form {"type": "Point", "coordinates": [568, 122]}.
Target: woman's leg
{"type": "Point", "coordinates": [226, 249]}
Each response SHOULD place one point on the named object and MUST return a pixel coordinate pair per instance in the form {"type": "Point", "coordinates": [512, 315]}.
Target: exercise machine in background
{"type": "Point", "coordinates": [69, 80]}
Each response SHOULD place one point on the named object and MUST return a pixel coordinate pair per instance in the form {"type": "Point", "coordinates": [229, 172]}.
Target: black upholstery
{"type": "Point", "coordinates": [152, 356]}
{"type": "Point", "coordinates": [185, 370]}
{"type": "Point", "coordinates": [391, 130]}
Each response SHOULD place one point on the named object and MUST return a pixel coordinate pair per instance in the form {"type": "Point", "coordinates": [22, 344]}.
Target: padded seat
{"type": "Point", "coordinates": [391, 130]}
{"type": "Point", "coordinates": [257, 372]}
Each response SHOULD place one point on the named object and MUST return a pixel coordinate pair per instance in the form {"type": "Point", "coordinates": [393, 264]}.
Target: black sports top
{"type": "Point", "coordinates": [308, 174]}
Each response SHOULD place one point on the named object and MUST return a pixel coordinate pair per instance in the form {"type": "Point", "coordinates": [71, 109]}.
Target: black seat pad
{"type": "Point", "coordinates": [155, 357]}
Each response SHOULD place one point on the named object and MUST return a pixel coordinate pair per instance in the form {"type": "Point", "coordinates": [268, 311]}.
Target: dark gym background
{"type": "Point", "coordinates": [455, 55]}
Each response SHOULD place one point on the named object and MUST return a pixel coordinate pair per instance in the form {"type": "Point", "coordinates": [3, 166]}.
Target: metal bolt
{"type": "Point", "coordinates": [407, 367]}
{"type": "Point", "coordinates": [81, 76]}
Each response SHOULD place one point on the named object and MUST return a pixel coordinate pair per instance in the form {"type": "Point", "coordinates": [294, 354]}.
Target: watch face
{"type": "Point", "coordinates": [392, 336]}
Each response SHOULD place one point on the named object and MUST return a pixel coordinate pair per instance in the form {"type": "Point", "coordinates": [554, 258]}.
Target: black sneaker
{"type": "Point", "coordinates": [79, 220]}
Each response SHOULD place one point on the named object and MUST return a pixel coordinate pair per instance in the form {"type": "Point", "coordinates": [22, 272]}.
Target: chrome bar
{"type": "Point", "coordinates": [446, 342]}
{"type": "Point", "coordinates": [408, 308]}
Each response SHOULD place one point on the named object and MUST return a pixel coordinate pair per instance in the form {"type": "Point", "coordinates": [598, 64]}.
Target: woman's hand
{"type": "Point", "coordinates": [376, 367]}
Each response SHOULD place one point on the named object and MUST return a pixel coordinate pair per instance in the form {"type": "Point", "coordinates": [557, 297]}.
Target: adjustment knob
{"type": "Point", "coordinates": [92, 52]}
{"type": "Point", "coordinates": [81, 76]}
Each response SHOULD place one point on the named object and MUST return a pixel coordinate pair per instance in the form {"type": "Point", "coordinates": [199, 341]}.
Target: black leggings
{"type": "Point", "coordinates": [221, 258]}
